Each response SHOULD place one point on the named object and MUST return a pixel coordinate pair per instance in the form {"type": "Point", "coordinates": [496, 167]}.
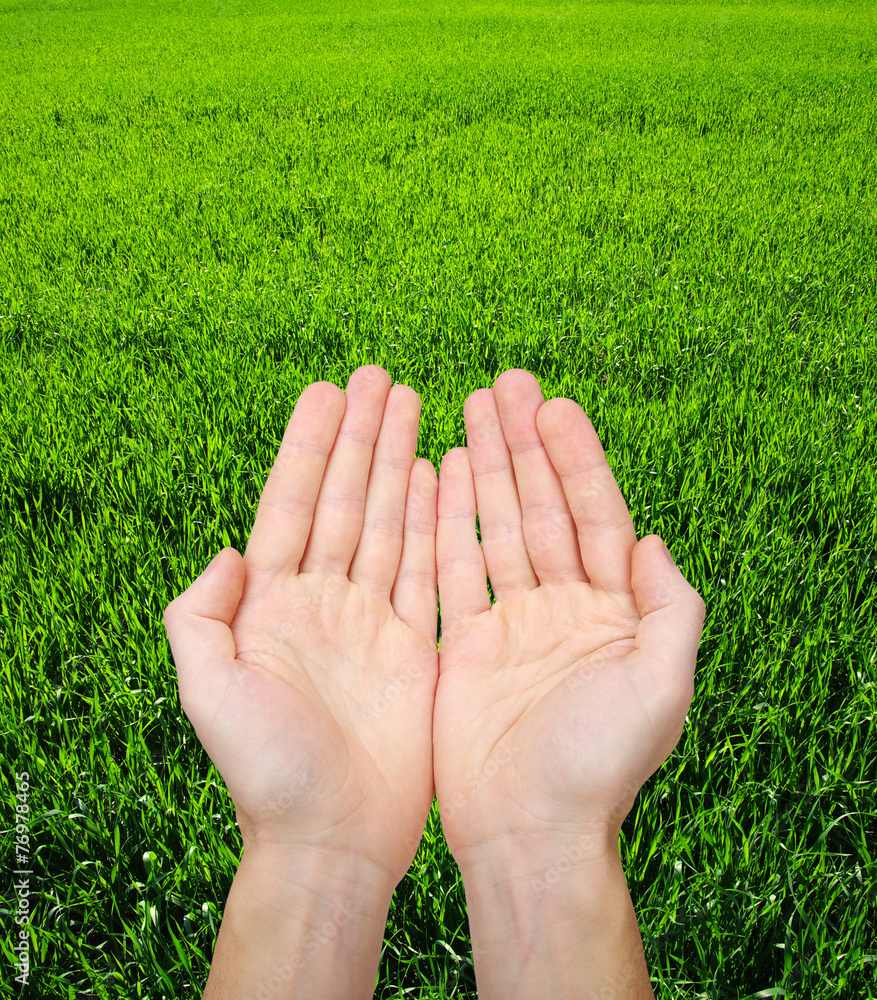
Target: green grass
{"type": "Point", "coordinates": [664, 210]}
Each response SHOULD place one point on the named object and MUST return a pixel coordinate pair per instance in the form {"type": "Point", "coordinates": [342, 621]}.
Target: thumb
{"type": "Point", "coordinates": [198, 621]}
{"type": "Point", "coordinates": [671, 611]}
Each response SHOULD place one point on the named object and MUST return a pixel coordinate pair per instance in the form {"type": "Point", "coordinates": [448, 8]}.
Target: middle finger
{"type": "Point", "coordinates": [340, 506]}
{"type": "Point", "coordinates": [549, 528]}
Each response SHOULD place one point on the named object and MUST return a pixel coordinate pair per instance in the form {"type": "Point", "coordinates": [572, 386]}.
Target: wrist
{"type": "Point", "coordinates": [274, 869]}
{"type": "Point", "coordinates": [540, 861]}
{"type": "Point", "coordinates": [300, 923]}
{"type": "Point", "coordinates": [555, 921]}
{"type": "Point", "coordinates": [572, 874]}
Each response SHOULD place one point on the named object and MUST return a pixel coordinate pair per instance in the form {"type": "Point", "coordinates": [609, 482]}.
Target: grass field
{"type": "Point", "coordinates": [666, 211]}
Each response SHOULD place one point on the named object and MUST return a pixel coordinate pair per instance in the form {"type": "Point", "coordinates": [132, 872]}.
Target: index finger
{"type": "Point", "coordinates": [605, 530]}
{"type": "Point", "coordinates": [286, 507]}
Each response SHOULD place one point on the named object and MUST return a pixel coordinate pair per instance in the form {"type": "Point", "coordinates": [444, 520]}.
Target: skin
{"type": "Point", "coordinates": [556, 702]}
{"type": "Point", "coordinates": [309, 670]}
{"type": "Point", "coordinates": [566, 684]}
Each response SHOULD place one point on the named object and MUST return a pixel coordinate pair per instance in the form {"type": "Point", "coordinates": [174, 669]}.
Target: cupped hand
{"type": "Point", "coordinates": [308, 666]}
{"type": "Point", "coordinates": [555, 703]}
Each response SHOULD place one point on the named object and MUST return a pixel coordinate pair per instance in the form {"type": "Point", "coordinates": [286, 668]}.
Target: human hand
{"type": "Point", "coordinates": [308, 667]}
{"type": "Point", "coordinates": [556, 703]}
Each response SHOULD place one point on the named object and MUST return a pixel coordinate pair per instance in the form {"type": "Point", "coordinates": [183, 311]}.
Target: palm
{"type": "Point", "coordinates": [337, 691]}
{"type": "Point", "coordinates": [528, 729]}
{"type": "Point", "coordinates": [319, 716]}
{"type": "Point", "coordinates": [553, 705]}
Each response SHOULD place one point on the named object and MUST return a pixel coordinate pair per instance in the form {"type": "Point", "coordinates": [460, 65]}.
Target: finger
{"type": "Point", "coordinates": [606, 535]}
{"type": "Point", "coordinates": [340, 506]}
{"type": "Point", "coordinates": [198, 627]}
{"type": "Point", "coordinates": [376, 560]}
{"type": "Point", "coordinates": [672, 616]}
{"type": "Point", "coordinates": [549, 530]}
{"type": "Point", "coordinates": [496, 493]}
{"type": "Point", "coordinates": [462, 576]}
{"type": "Point", "coordinates": [286, 507]}
{"type": "Point", "coordinates": [414, 591]}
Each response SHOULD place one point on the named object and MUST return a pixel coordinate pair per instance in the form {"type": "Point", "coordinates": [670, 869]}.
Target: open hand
{"type": "Point", "coordinates": [308, 667]}
{"type": "Point", "coordinates": [556, 703]}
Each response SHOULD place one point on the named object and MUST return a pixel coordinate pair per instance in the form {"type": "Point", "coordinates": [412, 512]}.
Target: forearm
{"type": "Point", "coordinates": [300, 926]}
{"type": "Point", "coordinates": [554, 924]}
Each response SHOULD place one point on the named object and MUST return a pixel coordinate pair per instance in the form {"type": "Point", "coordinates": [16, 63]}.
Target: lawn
{"type": "Point", "coordinates": [666, 211]}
